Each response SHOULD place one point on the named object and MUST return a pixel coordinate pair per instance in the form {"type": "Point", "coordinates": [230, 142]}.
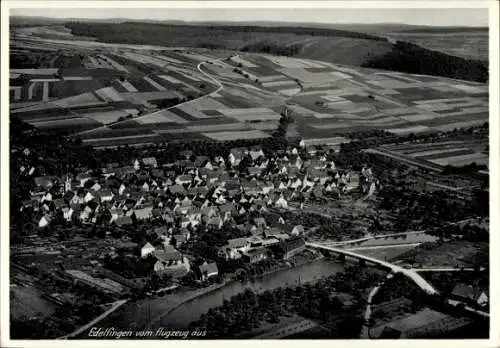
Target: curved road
{"type": "Point", "coordinates": [417, 278]}
{"type": "Point", "coordinates": [219, 88]}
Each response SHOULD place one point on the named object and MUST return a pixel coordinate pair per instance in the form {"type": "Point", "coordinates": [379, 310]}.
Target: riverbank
{"type": "Point", "coordinates": [189, 311]}
{"type": "Point", "coordinates": [146, 312]}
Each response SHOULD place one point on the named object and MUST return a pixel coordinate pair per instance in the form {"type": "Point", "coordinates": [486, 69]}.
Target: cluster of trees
{"type": "Point", "coordinates": [400, 286]}
{"type": "Point", "coordinates": [320, 301]}
{"type": "Point", "coordinates": [422, 210]}
{"type": "Point", "coordinates": [470, 232]}
{"type": "Point", "coordinates": [130, 267]}
{"type": "Point", "coordinates": [411, 58]}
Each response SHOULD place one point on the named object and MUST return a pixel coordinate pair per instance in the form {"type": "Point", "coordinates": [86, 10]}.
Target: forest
{"type": "Point", "coordinates": [132, 31]}
{"type": "Point", "coordinates": [410, 58]}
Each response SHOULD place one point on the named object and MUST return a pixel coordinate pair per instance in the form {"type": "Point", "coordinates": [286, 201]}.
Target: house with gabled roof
{"type": "Point", "coordinates": [208, 270]}
{"type": "Point", "coordinates": [183, 179]}
{"type": "Point", "coordinates": [44, 221]}
{"type": "Point", "coordinates": [46, 182]}
{"type": "Point", "coordinates": [470, 294]}
{"type": "Point", "coordinates": [150, 162]}
{"type": "Point", "coordinates": [147, 249]}
{"type": "Point", "coordinates": [123, 220]}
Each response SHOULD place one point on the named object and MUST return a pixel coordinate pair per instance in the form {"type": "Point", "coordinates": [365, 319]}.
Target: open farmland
{"type": "Point", "coordinates": [455, 152]}
{"type": "Point", "coordinates": [162, 94]}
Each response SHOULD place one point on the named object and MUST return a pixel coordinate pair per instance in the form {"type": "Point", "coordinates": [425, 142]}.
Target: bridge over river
{"type": "Point", "coordinates": [413, 275]}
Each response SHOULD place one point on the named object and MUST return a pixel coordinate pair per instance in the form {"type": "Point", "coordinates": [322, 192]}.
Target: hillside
{"type": "Point", "coordinates": [330, 45]}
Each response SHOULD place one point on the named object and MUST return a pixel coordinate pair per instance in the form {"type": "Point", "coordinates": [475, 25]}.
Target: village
{"type": "Point", "coordinates": [149, 226]}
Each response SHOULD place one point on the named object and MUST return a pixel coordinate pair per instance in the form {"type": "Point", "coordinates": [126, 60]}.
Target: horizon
{"type": "Point", "coordinates": [435, 17]}
{"type": "Point", "coordinates": [247, 21]}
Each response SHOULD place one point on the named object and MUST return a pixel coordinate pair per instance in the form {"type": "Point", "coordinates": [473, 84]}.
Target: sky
{"type": "Point", "coordinates": [415, 16]}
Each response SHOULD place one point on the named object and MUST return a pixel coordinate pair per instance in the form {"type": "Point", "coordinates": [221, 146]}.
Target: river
{"type": "Point", "coordinates": [190, 311]}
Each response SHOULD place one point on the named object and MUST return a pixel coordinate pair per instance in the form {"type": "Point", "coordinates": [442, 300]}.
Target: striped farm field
{"type": "Point", "coordinates": [108, 94]}
{"type": "Point", "coordinates": [218, 127]}
{"type": "Point", "coordinates": [109, 116]}
{"type": "Point", "coordinates": [243, 62]}
{"type": "Point", "coordinates": [122, 140]}
{"type": "Point", "coordinates": [462, 160]}
{"type": "Point", "coordinates": [85, 99]}
{"type": "Point", "coordinates": [408, 130]}
{"type": "Point", "coordinates": [208, 103]}
{"type": "Point", "coordinates": [228, 136]}
{"type": "Point", "coordinates": [161, 117]}
{"type": "Point", "coordinates": [455, 153]}
{"type": "Point", "coordinates": [251, 114]}
{"type": "Point", "coordinates": [264, 126]}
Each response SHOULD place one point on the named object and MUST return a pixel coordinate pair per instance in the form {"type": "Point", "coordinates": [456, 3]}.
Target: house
{"type": "Point", "coordinates": [179, 239]}
{"type": "Point", "coordinates": [254, 171]}
{"type": "Point", "coordinates": [425, 323]}
{"type": "Point", "coordinates": [46, 182]}
{"type": "Point", "coordinates": [47, 197]}
{"type": "Point", "coordinates": [235, 156]}
{"type": "Point", "coordinates": [256, 153]}
{"type": "Point", "coordinates": [123, 220]}
{"type": "Point", "coordinates": [183, 179]}
{"type": "Point", "coordinates": [137, 164]}
{"type": "Point", "coordinates": [186, 154]}
{"type": "Point", "coordinates": [147, 249]}
{"type": "Point", "coordinates": [215, 222]}
{"type": "Point", "coordinates": [171, 262]}
{"type": "Point", "coordinates": [233, 249]}
{"type": "Point", "coordinates": [470, 294]}
{"type": "Point", "coordinates": [88, 197]}
{"type": "Point", "coordinates": [83, 178]}
{"type": "Point", "coordinates": [106, 195]}
{"type": "Point", "coordinates": [143, 212]}
{"type": "Point", "coordinates": [290, 247]}
{"type": "Point", "coordinates": [296, 230]}
{"type": "Point", "coordinates": [177, 190]}
{"type": "Point", "coordinates": [44, 221]}
{"type": "Point", "coordinates": [150, 162]}
{"type": "Point", "coordinates": [67, 213]}
{"type": "Point", "coordinates": [200, 161]}
{"type": "Point", "coordinates": [281, 202]}
{"type": "Point", "coordinates": [208, 270]}
{"type": "Point", "coordinates": [96, 187]}
{"type": "Point", "coordinates": [255, 255]}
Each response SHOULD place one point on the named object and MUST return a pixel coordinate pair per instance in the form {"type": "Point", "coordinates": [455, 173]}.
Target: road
{"type": "Point", "coordinates": [365, 331]}
{"type": "Point", "coordinates": [75, 333]}
{"type": "Point", "coordinates": [364, 239]}
{"type": "Point", "coordinates": [470, 309]}
{"type": "Point", "coordinates": [414, 276]}
{"type": "Point", "coordinates": [410, 273]}
{"type": "Point", "coordinates": [374, 247]}
{"type": "Point", "coordinates": [448, 269]}
{"type": "Point", "coordinates": [219, 88]}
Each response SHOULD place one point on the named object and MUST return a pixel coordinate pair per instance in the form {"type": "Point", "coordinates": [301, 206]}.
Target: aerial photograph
{"type": "Point", "coordinates": [248, 173]}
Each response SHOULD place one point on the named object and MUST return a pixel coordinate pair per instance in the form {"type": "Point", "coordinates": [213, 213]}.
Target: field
{"type": "Point", "coordinates": [161, 94]}
{"type": "Point", "coordinates": [454, 253]}
{"type": "Point", "coordinates": [384, 254]}
{"type": "Point", "coordinates": [458, 152]}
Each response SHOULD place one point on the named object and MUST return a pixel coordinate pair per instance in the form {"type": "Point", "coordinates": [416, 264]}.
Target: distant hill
{"type": "Point", "coordinates": [21, 21]}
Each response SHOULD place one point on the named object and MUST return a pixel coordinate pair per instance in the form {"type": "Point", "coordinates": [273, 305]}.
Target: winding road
{"type": "Point", "coordinates": [217, 82]}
